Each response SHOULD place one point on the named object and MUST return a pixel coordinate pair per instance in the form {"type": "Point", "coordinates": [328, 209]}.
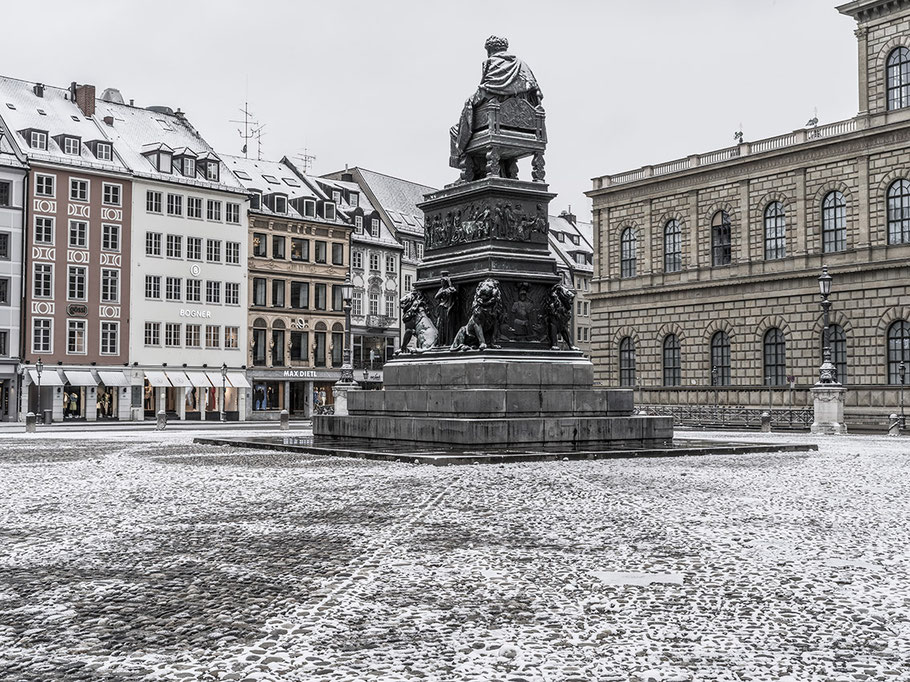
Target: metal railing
{"type": "Point", "coordinates": [730, 416]}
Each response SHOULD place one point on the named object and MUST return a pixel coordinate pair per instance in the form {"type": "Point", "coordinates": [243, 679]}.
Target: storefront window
{"type": "Point", "coordinates": [73, 402]}
{"type": "Point", "coordinates": [268, 395]}
{"type": "Point", "coordinates": [106, 402]}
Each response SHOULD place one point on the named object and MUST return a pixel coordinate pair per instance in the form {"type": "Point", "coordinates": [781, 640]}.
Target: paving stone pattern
{"type": "Point", "coordinates": [129, 560]}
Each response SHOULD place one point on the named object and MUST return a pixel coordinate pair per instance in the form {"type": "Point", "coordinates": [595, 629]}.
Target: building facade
{"type": "Point", "coordinates": [705, 283]}
{"type": "Point", "coordinates": [188, 340]}
{"type": "Point", "coordinates": [570, 243]}
{"type": "Point", "coordinates": [13, 172]}
{"type": "Point", "coordinates": [76, 277]}
{"type": "Point", "coordinates": [299, 252]}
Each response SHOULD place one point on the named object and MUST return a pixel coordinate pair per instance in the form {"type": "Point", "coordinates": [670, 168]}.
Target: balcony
{"type": "Point", "coordinates": [380, 322]}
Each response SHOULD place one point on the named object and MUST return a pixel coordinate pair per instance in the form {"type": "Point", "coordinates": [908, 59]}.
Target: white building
{"type": "Point", "coordinates": [189, 266]}
{"type": "Point", "coordinates": [12, 193]}
{"type": "Point", "coordinates": [571, 244]}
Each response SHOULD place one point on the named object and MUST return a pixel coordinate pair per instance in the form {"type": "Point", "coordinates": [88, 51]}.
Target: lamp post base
{"type": "Point", "coordinates": [340, 392]}
{"type": "Point", "coordinates": [828, 406]}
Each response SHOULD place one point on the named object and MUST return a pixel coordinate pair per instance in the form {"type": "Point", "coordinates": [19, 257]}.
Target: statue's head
{"type": "Point", "coordinates": [496, 44]}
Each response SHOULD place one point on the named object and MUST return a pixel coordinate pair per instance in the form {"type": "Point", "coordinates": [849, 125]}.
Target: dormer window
{"type": "Point", "coordinates": [336, 197]}
{"type": "Point", "coordinates": [212, 171]}
{"type": "Point", "coordinates": [374, 227]}
{"type": "Point", "coordinates": [355, 199]}
{"type": "Point", "coordinates": [160, 156]}
{"type": "Point", "coordinates": [165, 162]}
{"type": "Point", "coordinates": [37, 139]}
{"type": "Point", "coordinates": [309, 209]}
{"type": "Point", "coordinates": [358, 224]}
{"type": "Point", "coordinates": [281, 204]}
{"type": "Point", "coordinates": [574, 238]}
{"type": "Point", "coordinates": [560, 236]}
{"type": "Point", "coordinates": [103, 151]}
{"type": "Point", "coordinates": [187, 166]}
{"type": "Point", "coordinates": [329, 210]}
{"type": "Point", "coordinates": [255, 200]}
{"type": "Point", "coordinates": [72, 146]}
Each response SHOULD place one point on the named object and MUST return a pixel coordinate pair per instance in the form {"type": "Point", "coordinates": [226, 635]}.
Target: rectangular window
{"type": "Point", "coordinates": [337, 349]}
{"type": "Point", "coordinates": [259, 347]}
{"type": "Point", "coordinates": [153, 202]}
{"type": "Point", "coordinates": [172, 334]}
{"type": "Point", "coordinates": [259, 291]}
{"type": "Point", "coordinates": [38, 140]}
{"type": "Point", "coordinates": [391, 306]}
{"type": "Point", "coordinates": [407, 283]}
{"type": "Point", "coordinates": [153, 286]}
{"type": "Point", "coordinates": [337, 254]}
{"type": "Point", "coordinates": [44, 230]}
{"type": "Point", "coordinates": [76, 283]}
{"type": "Point", "coordinates": [4, 291]}
{"type": "Point", "coordinates": [419, 250]}
{"type": "Point", "coordinates": [174, 248]}
{"type": "Point", "coordinates": [193, 207]}
{"type": "Point", "coordinates": [319, 295]}
{"type": "Point", "coordinates": [374, 304]}
{"type": "Point", "coordinates": [78, 190]}
{"type": "Point", "coordinates": [5, 193]}
{"type": "Point", "coordinates": [111, 194]}
{"type": "Point", "coordinates": [300, 295]}
{"type": "Point", "coordinates": [175, 204]}
{"type": "Point", "coordinates": [152, 333]}
{"type": "Point", "coordinates": [213, 250]}
{"type": "Point", "coordinates": [357, 259]}
{"type": "Point", "coordinates": [194, 248]}
{"type": "Point", "coordinates": [329, 211]}
{"type": "Point", "coordinates": [187, 167]}
{"type": "Point", "coordinates": [78, 234]}
{"type": "Point", "coordinates": [232, 215]}
{"type": "Point", "coordinates": [232, 253]}
{"type": "Point", "coordinates": [407, 249]}
{"type": "Point", "coordinates": [212, 292]}
{"type": "Point", "coordinates": [278, 293]}
{"type": "Point", "coordinates": [110, 237]}
{"type": "Point", "coordinates": [232, 293]}
{"type": "Point", "coordinates": [44, 280]}
{"type": "Point", "coordinates": [232, 337]}
{"type": "Point", "coordinates": [110, 286]}
{"type": "Point", "coordinates": [277, 347]}
{"type": "Point", "coordinates": [374, 261]}
{"type": "Point", "coordinates": [319, 352]}
{"type": "Point", "coordinates": [212, 336]}
{"type": "Point", "coordinates": [4, 343]}
{"type": "Point", "coordinates": [110, 338]}
{"type": "Point", "coordinates": [193, 336]}
{"type": "Point", "coordinates": [194, 291]}
{"type": "Point", "coordinates": [152, 243]}
{"type": "Point", "coordinates": [259, 245]}
{"type": "Point", "coordinates": [213, 210]}
{"type": "Point", "coordinates": [300, 249]}
{"type": "Point", "coordinates": [103, 152]}
{"type": "Point", "coordinates": [172, 288]}
{"type": "Point", "coordinates": [300, 346]}
{"type": "Point", "coordinates": [309, 209]}
{"type": "Point", "coordinates": [357, 304]}
{"type": "Point", "coordinates": [374, 227]}
{"type": "Point", "coordinates": [320, 252]}
{"type": "Point", "coordinates": [72, 146]}
{"type": "Point", "coordinates": [278, 246]}
{"type": "Point", "coordinates": [211, 171]}
{"type": "Point", "coordinates": [358, 224]}
{"type": "Point", "coordinates": [44, 185]}
{"type": "Point", "coordinates": [4, 246]}
{"type": "Point", "coordinates": [75, 337]}
{"type": "Point", "coordinates": [390, 263]}
{"type": "Point", "coordinates": [41, 335]}
{"type": "Point", "coordinates": [337, 298]}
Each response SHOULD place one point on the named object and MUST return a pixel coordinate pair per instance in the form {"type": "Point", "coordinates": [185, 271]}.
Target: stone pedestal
{"type": "Point", "coordinates": [340, 393]}
{"type": "Point", "coordinates": [828, 403]}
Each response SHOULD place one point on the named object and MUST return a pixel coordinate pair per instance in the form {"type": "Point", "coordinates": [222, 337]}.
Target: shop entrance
{"type": "Point", "coordinates": [107, 402]}
{"type": "Point", "coordinates": [298, 402]}
{"type": "Point", "coordinates": [73, 402]}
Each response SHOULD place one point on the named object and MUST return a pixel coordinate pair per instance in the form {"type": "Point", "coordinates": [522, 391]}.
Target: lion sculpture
{"type": "Point", "coordinates": [417, 323]}
{"type": "Point", "coordinates": [560, 313]}
{"type": "Point", "coordinates": [482, 329]}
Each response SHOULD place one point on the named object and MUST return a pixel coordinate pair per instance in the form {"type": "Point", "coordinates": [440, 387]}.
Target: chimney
{"type": "Point", "coordinates": [568, 215]}
{"type": "Point", "coordinates": [109, 120]}
{"type": "Point", "coordinates": [179, 114]}
{"type": "Point", "coordinates": [85, 98]}
{"type": "Point", "coordinates": [39, 89]}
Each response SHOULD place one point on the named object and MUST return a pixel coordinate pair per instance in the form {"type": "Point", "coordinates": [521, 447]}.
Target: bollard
{"type": "Point", "coordinates": [31, 422]}
{"type": "Point", "coordinates": [894, 426]}
{"type": "Point", "coordinates": [285, 420]}
{"type": "Point", "coordinates": [162, 421]}
{"type": "Point", "coordinates": [766, 422]}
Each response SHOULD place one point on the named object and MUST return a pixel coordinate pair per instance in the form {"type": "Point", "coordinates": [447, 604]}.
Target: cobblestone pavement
{"type": "Point", "coordinates": [148, 557]}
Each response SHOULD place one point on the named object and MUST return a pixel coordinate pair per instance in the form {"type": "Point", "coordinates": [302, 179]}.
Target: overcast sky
{"type": "Point", "coordinates": [377, 83]}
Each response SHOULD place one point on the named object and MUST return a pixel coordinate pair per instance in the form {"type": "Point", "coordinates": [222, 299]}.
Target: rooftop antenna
{"type": "Point", "coordinates": [306, 159]}
{"type": "Point", "coordinates": [247, 121]}
{"type": "Point", "coordinates": [257, 132]}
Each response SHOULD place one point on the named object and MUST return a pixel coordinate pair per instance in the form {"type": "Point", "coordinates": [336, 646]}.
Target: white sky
{"type": "Point", "coordinates": [377, 83]}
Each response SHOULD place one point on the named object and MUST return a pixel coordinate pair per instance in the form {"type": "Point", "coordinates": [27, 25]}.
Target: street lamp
{"type": "Point", "coordinates": [902, 374]}
{"type": "Point", "coordinates": [347, 370]}
{"type": "Point", "coordinates": [39, 367]}
{"type": "Point", "coordinates": [827, 371]}
{"type": "Point", "coordinates": [223, 386]}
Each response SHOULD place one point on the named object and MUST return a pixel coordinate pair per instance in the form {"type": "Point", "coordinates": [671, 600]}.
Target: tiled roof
{"type": "Point", "coordinates": [399, 198]}
{"type": "Point", "coordinates": [564, 251]}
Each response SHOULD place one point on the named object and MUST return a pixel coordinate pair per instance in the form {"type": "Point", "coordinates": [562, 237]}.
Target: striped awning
{"type": "Point", "coordinates": [49, 377]}
{"type": "Point", "coordinates": [157, 379]}
{"type": "Point", "coordinates": [198, 379]}
{"type": "Point", "coordinates": [238, 380]}
{"type": "Point", "coordinates": [74, 378]}
{"type": "Point", "coordinates": [113, 378]}
{"type": "Point", "coordinates": [177, 378]}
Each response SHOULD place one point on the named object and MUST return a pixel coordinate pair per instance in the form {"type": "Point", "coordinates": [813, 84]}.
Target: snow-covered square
{"type": "Point", "coordinates": [129, 557]}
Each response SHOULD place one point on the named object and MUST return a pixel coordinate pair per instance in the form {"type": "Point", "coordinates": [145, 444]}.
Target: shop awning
{"type": "Point", "coordinates": [238, 380]}
{"type": "Point", "coordinates": [157, 379]}
{"type": "Point", "coordinates": [178, 378]}
{"type": "Point", "coordinates": [114, 378]}
{"type": "Point", "coordinates": [198, 379]}
{"type": "Point", "coordinates": [74, 378]}
{"type": "Point", "coordinates": [48, 377]}
{"type": "Point", "coordinates": [215, 378]}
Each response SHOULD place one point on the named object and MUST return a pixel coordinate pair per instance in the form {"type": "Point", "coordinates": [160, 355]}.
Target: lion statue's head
{"type": "Point", "coordinates": [412, 304]}
{"type": "Point", "coordinates": [487, 296]}
{"type": "Point", "coordinates": [561, 298]}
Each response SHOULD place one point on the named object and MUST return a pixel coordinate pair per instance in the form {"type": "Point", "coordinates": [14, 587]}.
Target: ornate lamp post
{"type": "Point", "coordinates": [714, 384]}
{"type": "Point", "coordinates": [902, 374]}
{"type": "Point", "coordinates": [347, 293]}
{"type": "Point", "coordinates": [827, 371]}
{"type": "Point", "coordinates": [223, 387]}
{"type": "Point", "coordinates": [39, 367]}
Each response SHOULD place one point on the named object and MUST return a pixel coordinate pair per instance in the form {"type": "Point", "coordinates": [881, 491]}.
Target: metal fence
{"type": "Point", "coordinates": [730, 416]}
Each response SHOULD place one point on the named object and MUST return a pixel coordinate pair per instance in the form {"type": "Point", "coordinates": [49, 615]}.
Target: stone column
{"type": "Point", "coordinates": [91, 403]}
{"type": "Point", "coordinates": [745, 238]}
{"type": "Point", "coordinates": [340, 392]}
{"type": "Point", "coordinates": [57, 405]}
{"type": "Point", "coordinates": [863, 204]}
{"type": "Point", "coordinates": [647, 258]}
{"type": "Point", "coordinates": [125, 403]}
{"type": "Point", "coordinates": [828, 406]}
{"type": "Point", "coordinates": [242, 403]}
{"type": "Point", "coordinates": [309, 400]}
{"type": "Point", "coordinates": [863, 50]}
{"type": "Point", "coordinates": [181, 403]}
{"type": "Point", "coordinates": [802, 215]}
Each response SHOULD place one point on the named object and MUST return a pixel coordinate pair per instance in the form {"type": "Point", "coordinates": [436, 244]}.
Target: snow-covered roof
{"type": "Point", "coordinates": [55, 113]}
{"type": "Point", "coordinates": [567, 239]}
{"type": "Point", "coordinates": [136, 132]}
{"type": "Point", "coordinates": [385, 238]}
{"type": "Point", "coordinates": [398, 198]}
{"type": "Point", "coordinates": [8, 156]}
{"type": "Point", "coordinates": [271, 177]}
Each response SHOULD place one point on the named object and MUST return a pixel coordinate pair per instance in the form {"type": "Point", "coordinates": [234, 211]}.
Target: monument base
{"type": "Point", "coordinates": [828, 407]}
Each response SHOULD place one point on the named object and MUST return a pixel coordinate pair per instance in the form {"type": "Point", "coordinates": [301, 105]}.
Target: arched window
{"type": "Point", "coordinates": [834, 222]}
{"type": "Point", "coordinates": [837, 341]}
{"type": "Point", "coordinates": [720, 359]}
{"type": "Point", "coordinates": [672, 364]}
{"type": "Point", "coordinates": [898, 349]}
{"type": "Point", "coordinates": [775, 352]}
{"type": "Point", "coordinates": [898, 78]}
{"type": "Point", "coordinates": [720, 239]}
{"type": "Point", "coordinates": [775, 231]}
{"type": "Point", "coordinates": [627, 244]}
{"type": "Point", "coordinates": [899, 212]}
{"type": "Point", "coordinates": [626, 362]}
{"type": "Point", "coordinates": [672, 247]}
